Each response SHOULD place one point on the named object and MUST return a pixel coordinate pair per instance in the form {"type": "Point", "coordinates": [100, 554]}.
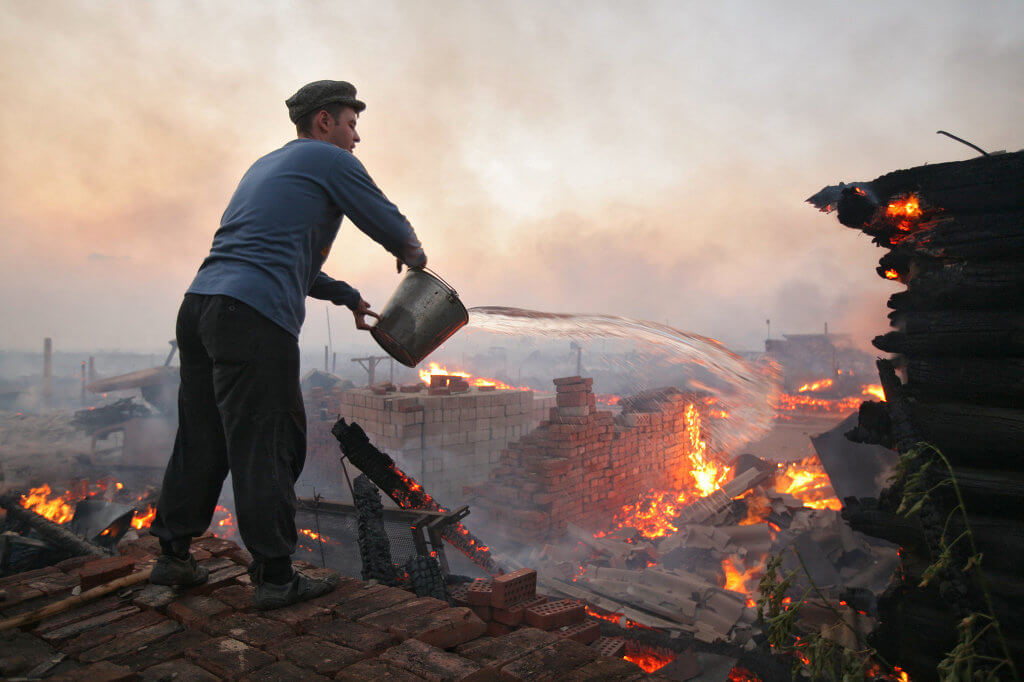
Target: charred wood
{"type": "Point", "coordinates": [53, 533]}
{"type": "Point", "coordinates": [989, 286]}
{"type": "Point", "coordinates": [997, 382]}
{"type": "Point", "coordinates": [1000, 492]}
{"type": "Point", "coordinates": [988, 236]}
{"type": "Point", "coordinates": [977, 333]}
{"type": "Point", "coordinates": [971, 434]}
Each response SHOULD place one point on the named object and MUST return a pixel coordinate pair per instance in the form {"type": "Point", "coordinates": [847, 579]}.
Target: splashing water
{"type": "Point", "coordinates": [743, 387]}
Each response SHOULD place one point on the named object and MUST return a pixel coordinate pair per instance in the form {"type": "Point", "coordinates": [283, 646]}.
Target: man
{"type": "Point", "coordinates": [240, 406]}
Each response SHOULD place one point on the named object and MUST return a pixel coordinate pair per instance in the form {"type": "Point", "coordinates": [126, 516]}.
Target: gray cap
{"type": "Point", "coordinates": [319, 94]}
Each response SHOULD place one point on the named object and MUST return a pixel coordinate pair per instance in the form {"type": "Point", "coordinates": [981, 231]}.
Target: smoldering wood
{"type": "Point", "coordinates": [53, 533]}
{"type": "Point", "coordinates": [969, 286]}
{"type": "Point", "coordinates": [961, 333]}
{"type": "Point", "coordinates": [991, 236]}
{"type": "Point", "coordinates": [997, 382]}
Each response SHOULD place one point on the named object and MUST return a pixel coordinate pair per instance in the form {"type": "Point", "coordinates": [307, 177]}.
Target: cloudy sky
{"type": "Point", "coordinates": [647, 159]}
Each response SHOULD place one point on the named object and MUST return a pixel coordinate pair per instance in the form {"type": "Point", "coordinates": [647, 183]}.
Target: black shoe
{"type": "Point", "coordinates": [299, 589]}
{"type": "Point", "coordinates": [171, 570]}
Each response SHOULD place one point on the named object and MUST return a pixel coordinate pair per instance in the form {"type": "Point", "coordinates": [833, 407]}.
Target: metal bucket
{"type": "Point", "coordinates": [422, 313]}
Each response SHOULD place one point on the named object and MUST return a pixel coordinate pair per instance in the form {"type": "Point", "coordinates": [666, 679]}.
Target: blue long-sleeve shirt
{"type": "Point", "coordinates": [278, 228]}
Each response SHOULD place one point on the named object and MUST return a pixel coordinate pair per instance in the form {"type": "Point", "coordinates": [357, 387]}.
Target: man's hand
{"type": "Point", "coordinates": [361, 312]}
{"type": "Point", "coordinates": [399, 263]}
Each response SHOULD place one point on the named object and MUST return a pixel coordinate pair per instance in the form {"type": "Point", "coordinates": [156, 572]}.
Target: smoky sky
{"type": "Point", "coordinates": [647, 159]}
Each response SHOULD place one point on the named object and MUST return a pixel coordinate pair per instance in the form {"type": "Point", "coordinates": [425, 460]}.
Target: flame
{"type": "Point", "coordinates": [55, 509]}
{"type": "Point", "coordinates": [650, 659]}
{"type": "Point", "coordinates": [607, 398]}
{"type": "Point", "coordinates": [740, 674]}
{"type": "Point", "coordinates": [891, 274]}
{"type": "Point", "coordinates": [816, 386]}
{"type": "Point", "coordinates": [785, 402]}
{"type": "Point", "coordinates": [144, 521]}
{"type": "Point", "coordinates": [807, 481]}
{"type": "Point", "coordinates": [654, 512]}
{"type": "Point", "coordinates": [224, 528]}
{"type": "Point", "coordinates": [873, 390]}
{"type": "Point", "coordinates": [737, 581]}
{"type": "Point", "coordinates": [904, 208]}
{"type": "Point", "coordinates": [758, 509]}
{"type": "Point", "coordinates": [437, 370]}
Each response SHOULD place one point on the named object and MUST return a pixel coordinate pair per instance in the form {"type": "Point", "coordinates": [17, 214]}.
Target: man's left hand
{"type": "Point", "coordinates": [361, 312]}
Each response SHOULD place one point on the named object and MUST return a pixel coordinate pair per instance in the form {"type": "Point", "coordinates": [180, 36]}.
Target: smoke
{"type": "Point", "coordinates": [647, 160]}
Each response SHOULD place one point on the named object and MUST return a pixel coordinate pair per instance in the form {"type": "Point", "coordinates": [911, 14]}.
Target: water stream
{"type": "Point", "coordinates": [741, 387]}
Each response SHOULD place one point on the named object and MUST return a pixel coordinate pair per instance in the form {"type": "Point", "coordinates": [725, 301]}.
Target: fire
{"type": "Point", "coordinates": [816, 386]}
{"type": "Point", "coordinates": [873, 390]}
{"type": "Point", "coordinates": [224, 528]}
{"type": "Point", "coordinates": [739, 674]}
{"type": "Point", "coordinates": [144, 521]}
{"type": "Point", "coordinates": [737, 581]}
{"type": "Point", "coordinates": [55, 509]}
{"type": "Point", "coordinates": [758, 509]}
{"type": "Point", "coordinates": [437, 370]}
{"type": "Point", "coordinates": [807, 481]}
{"type": "Point", "coordinates": [891, 274]}
{"type": "Point", "coordinates": [653, 514]}
{"type": "Point", "coordinates": [904, 209]}
{"type": "Point", "coordinates": [786, 402]}
{"type": "Point", "coordinates": [650, 659]}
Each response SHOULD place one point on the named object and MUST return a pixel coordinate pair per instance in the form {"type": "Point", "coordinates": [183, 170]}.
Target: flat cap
{"type": "Point", "coordinates": [317, 94]}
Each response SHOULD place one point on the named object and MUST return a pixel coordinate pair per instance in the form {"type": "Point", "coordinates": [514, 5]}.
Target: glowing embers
{"type": "Point", "coordinates": [905, 216]}
{"type": "Point", "coordinates": [437, 370]}
{"type": "Point", "coordinates": [223, 525]}
{"type": "Point", "coordinates": [144, 519]}
{"type": "Point", "coordinates": [649, 659]}
{"type": "Point", "coordinates": [820, 397]}
{"type": "Point", "coordinates": [891, 274]}
{"type": "Point", "coordinates": [815, 386]}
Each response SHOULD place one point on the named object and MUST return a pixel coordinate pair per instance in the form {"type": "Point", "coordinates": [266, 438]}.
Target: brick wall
{"type": "Point", "coordinates": [446, 442]}
{"type": "Point", "coordinates": [582, 465]}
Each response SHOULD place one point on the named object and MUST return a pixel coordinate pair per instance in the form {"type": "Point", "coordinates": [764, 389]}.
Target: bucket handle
{"type": "Point", "coordinates": [440, 279]}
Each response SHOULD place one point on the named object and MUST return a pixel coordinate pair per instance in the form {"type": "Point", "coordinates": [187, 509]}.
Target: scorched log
{"type": "Point", "coordinates": [996, 382]}
{"type": "Point", "coordinates": [56, 534]}
{"type": "Point", "coordinates": [970, 333]}
{"type": "Point", "coordinates": [971, 434]}
{"type": "Point", "coordinates": [988, 286]}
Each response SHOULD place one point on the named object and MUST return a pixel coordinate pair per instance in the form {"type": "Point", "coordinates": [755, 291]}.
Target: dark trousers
{"type": "Point", "coordinates": [239, 410]}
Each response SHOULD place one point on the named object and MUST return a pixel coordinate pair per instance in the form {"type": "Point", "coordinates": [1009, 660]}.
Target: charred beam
{"type": "Point", "coordinates": [54, 533]}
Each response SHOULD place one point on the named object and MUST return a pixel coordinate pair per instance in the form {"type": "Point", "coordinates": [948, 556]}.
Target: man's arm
{"type": "Point", "coordinates": [361, 200]}
{"type": "Point", "coordinates": [340, 293]}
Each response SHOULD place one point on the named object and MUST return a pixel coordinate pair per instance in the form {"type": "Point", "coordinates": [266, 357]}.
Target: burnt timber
{"type": "Point", "coordinates": [958, 341]}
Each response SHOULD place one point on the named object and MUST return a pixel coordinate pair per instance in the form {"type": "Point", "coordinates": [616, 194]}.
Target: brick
{"type": "Point", "coordinates": [253, 630]}
{"type": "Point", "coordinates": [98, 672]}
{"type": "Point", "coordinates": [378, 671]}
{"type": "Point", "coordinates": [194, 609]}
{"type": "Point", "coordinates": [315, 654]}
{"type": "Point", "coordinates": [95, 635]}
{"type": "Point", "coordinates": [396, 615]}
{"type": "Point", "coordinates": [228, 658]}
{"type": "Point", "coordinates": [584, 633]}
{"type": "Point", "coordinates": [100, 571]}
{"type": "Point", "coordinates": [513, 587]}
{"type": "Point", "coordinates": [222, 577]}
{"type": "Point", "coordinates": [238, 597]}
{"type": "Point", "coordinates": [283, 671]}
{"type": "Point", "coordinates": [375, 601]}
{"type": "Point", "coordinates": [495, 653]}
{"type": "Point", "coordinates": [610, 647]}
{"type": "Point", "coordinates": [551, 662]}
{"type": "Point", "coordinates": [95, 609]}
{"type": "Point", "coordinates": [130, 642]}
{"type": "Point", "coordinates": [574, 399]}
{"type": "Point", "coordinates": [156, 597]}
{"type": "Point", "coordinates": [362, 638]}
{"type": "Point", "coordinates": [457, 593]}
{"type": "Point", "coordinates": [299, 616]}
{"type": "Point", "coordinates": [482, 612]}
{"type": "Point", "coordinates": [20, 652]}
{"type": "Point", "coordinates": [606, 670]}
{"type": "Point", "coordinates": [496, 629]}
{"type": "Point", "coordinates": [72, 564]}
{"type": "Point", "coordinates": [479, 592]}
{"type": "Point", "coordinates": [554, 614]}
{"type": "Point", "coordinates": [28, 576]}
{"type": "Point", "coordinates": [429, 662]}
{"type": "Point", "coordinates": [163, 650]}
{"type": "Point", "coordinates": [443, 629]}
{"type": "Point", "coordinates": [53, 584]}
{"type": "Point", "coordinates": [178, 670]}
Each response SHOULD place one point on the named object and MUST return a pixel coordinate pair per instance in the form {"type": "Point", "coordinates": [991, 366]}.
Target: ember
{"type": "Point", "coordinates": [144, 520]}
{"type": "Point", "coordinates": [650, 659]}
{"type": "Point", "coordinates": [224, 526]}
{"type": "Point", "coordinates": [437, 370]}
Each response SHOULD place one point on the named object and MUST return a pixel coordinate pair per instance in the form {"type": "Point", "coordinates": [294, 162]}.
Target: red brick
{"type": "Point", "coordinates": [554, 614]}
{"type": "Point", "coordinates": [377, 671]}
{"type": "Point", "coordinates": [482, 612]}
{"type": "Point", "coordinates": [156, 597]}
{"type": "Point", "coordinates": [584, 633]}
{"type": "Point", "coordinates": [94, 636]}
{"type": "Point", "coordinates": [20, 652]}
{"type": "Point", "coordinates": [514, 587]}
{"type": "Point", "coordinates": [96, 609]}
{"type": "Point", "coordinates": [253, 630]}
{"type": "Point", "coordinates": [610, 647]}
{"type": "Point", "coordinates": [164, 650]}
{"type": "Point", "coordinates": [228, 658]}
{"type": "Point", "coordinates": [443, 629]}
{"type": "Point", "coordinates": [222, 577]}
{"type": "Point", "coordinates": [177, 670]}
{"type": "Point", "coordinates": [238, 597]}
{"type": "Point", "coordinates": [97, 672]}
{"type": "Point", "coordinates": [375, 601]}
{"type": "Point", "coordinates": [396, 615]}
{"type": "Point", "coordinates": [283, 671]}
{"type": "Point", "coordinates": [479, 592]}
{"type": "Point", "coordinates": [606, 670]}
{"type": "Point", "coordinates": [192, 610]}
{"type": "Point", "coordinates": [552, 662]}
{"type": "Point", "coordinates": [458, 594]}
{"type": "Point", "coordinates": [495, 653]}
{"type": "Point", "coordinates": [362, 638]}
{"type": "Point", "coordinates": [214, 545]}
{"type": "Point", "coordinates": [315, 654]}
{"type": "Point", "coordinates": [300, 616]}
{"type": "Point", "coordinates": [429, 662]}
{"type": "Point", "coordinates": [496, 629]}
{"type": "Point", "coordinates": [128, 643]}
{"type": "Point", "coordinates": [27, 576]}
{"type": "Point", "coordinates": [573, 399]}
{"type": "Point", "coordinates": [103, 571]}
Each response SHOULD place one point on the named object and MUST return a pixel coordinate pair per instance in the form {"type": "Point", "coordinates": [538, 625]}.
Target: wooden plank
{"type": "Point", "coordinates": [984, 381]}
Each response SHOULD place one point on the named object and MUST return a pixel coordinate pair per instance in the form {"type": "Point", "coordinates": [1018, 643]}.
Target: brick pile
{"type": "Point", "coordinates": [581, 465]}
{"type": "Point", "coordinates": [448, 438]}
{"type": "Point", "coordinates": [360, 631]}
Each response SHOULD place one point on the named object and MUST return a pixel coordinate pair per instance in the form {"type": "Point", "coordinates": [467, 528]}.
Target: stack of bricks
{"type": "Point", "coordinates": [446, 442]}
{"type": "Point", "coordinates": [510, 601]}
{"type": "Point", "coordinates": [582, 465]}
{"type": "Point", "coordinates": [359, 631]}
